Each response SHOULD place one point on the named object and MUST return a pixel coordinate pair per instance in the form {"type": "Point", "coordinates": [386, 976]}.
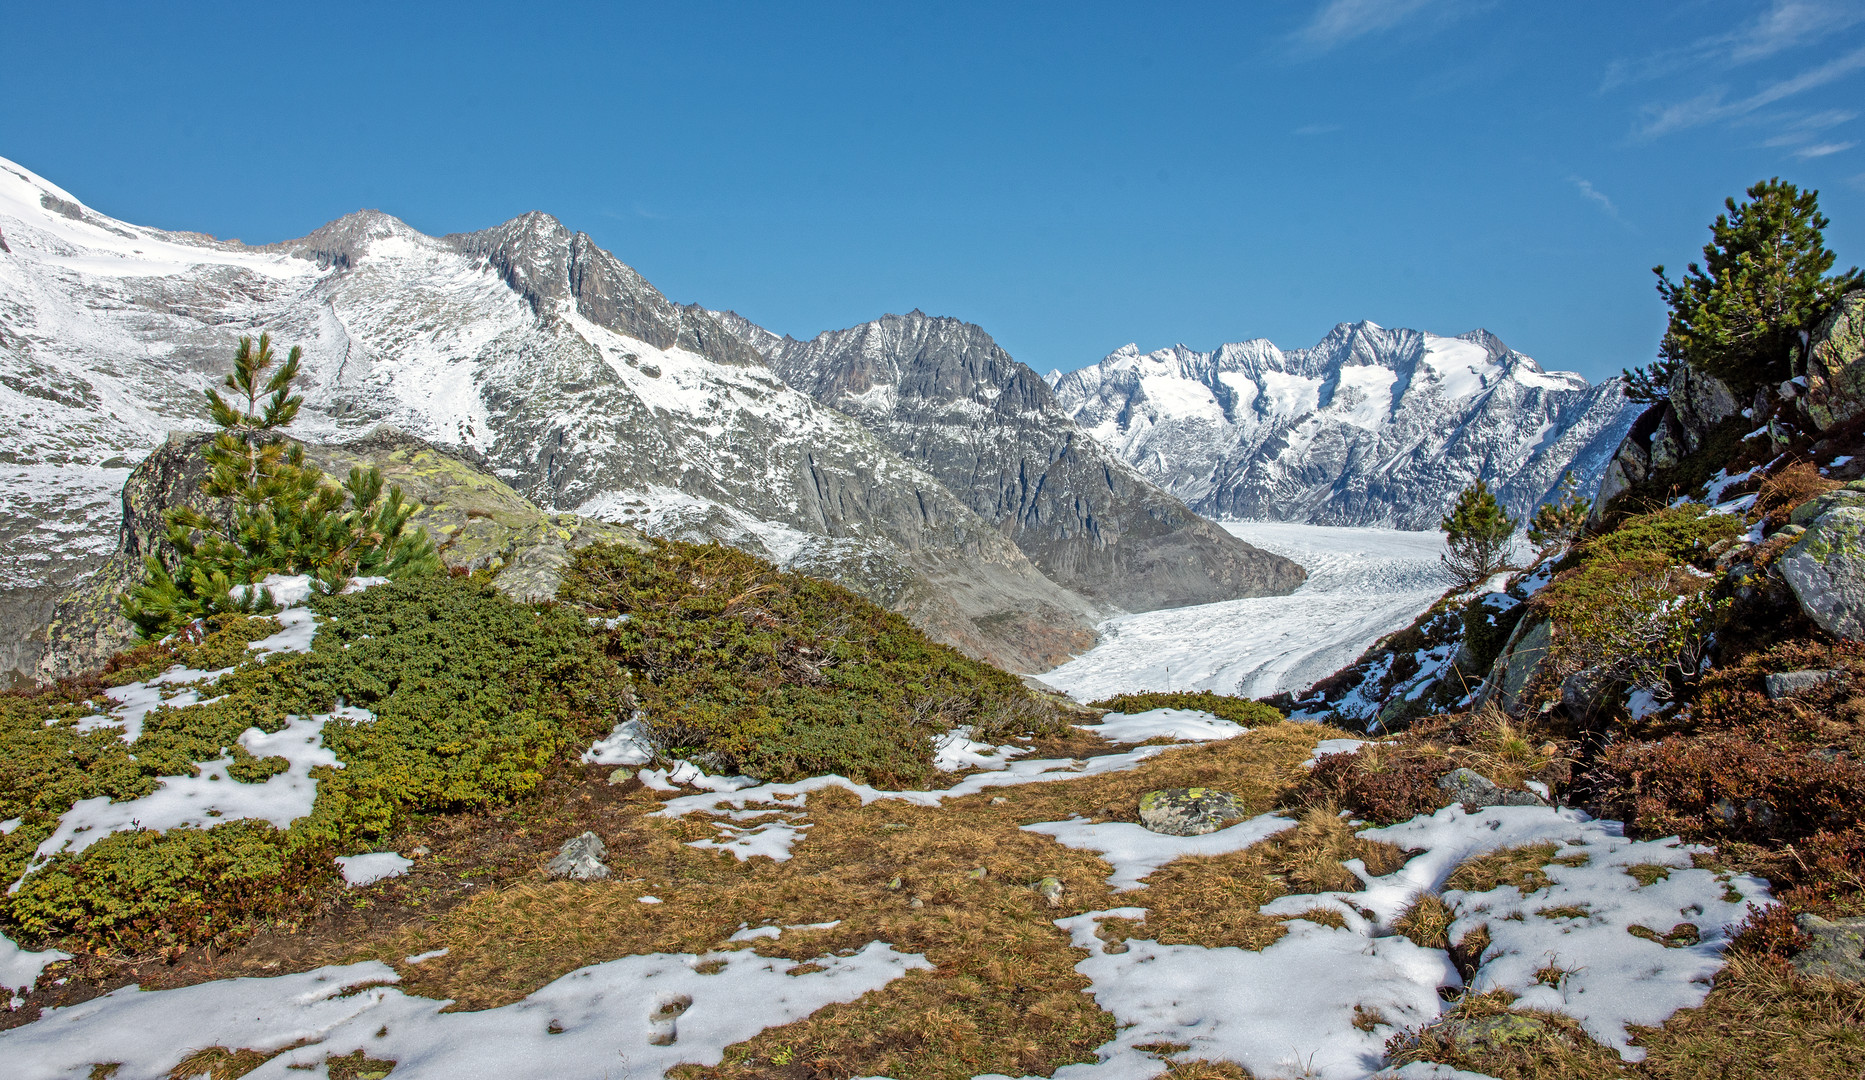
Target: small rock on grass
{"type": "Point", "coordinates": [580, 859]}
{"type": "Point", "coordinates": [1050, 889]}
{"type": "Point", "coordinates": [1788, 683]}
{"type": "Point", "coordinates": [1189, 811]}
{"type": "Point", "coordinates": [1838, 948]}
{"type": "Point", "coordinates": [621, 775]}
{"type": "Point", "coordinates": [1476, 791]}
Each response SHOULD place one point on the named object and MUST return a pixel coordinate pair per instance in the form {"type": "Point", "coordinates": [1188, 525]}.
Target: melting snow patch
{"type": "Point", "coordinates": [7, 826]}
{"type": "Point", "coordinates": [360, 870]}
{"type": "Point", "coordinates": [1627, 956]}
{"type": "Point", "coordinates": [955, 751]}
{"type": "Point", "coordinates": [19, 969]}
{"type": "Point", "coordinates": [640, 1015]}
{"type": "Point", "coordinates": [1135, 851]}
{"type": "Point", "coordinates": [1185, 725]}
{"type": "Point", "coordinates": [212, 797]}
{"type": "Point", "coordinates": [628, 744]}
{"type": "Point", "coordinates": [1329, 747]}
{"type": "Point", "coordinates": [298, 628]}
{"type": "Point", "coordinates": [422, 958]}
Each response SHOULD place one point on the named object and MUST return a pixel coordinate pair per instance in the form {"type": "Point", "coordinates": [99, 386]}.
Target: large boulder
{"type": "Point", "coordinates": [1189, 811]}
{"type": "Point", "coordinates": [1836, 365]}
{"type": "Point", "coordinates": [1527, 648]}
{"type": "Point", "coordinates": [1837, 950]}
{"type": "Point", "coordinates": [1826, 570]}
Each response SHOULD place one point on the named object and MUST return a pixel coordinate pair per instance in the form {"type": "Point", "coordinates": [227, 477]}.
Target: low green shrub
{"type": "Point", "coordinates": [473, 697]}
{"type": "Point", "coordinates": [781, 676]}
{"type": "Point", "coordinates": [1223, 706]}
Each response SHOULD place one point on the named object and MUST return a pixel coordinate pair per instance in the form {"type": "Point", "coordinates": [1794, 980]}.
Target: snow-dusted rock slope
{"type": "Point", "coordinates": [523, 347]}
{"type": "Point", "coordinates": [1372, 427]}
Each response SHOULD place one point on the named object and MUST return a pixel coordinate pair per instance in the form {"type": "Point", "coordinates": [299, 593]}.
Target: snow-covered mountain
{"type": "Point", "coordinates": [1370, 427]}
{"type": "Point", "coordinates": [947, 398]}
{"type": "Point", "coordinates": [525, 348]}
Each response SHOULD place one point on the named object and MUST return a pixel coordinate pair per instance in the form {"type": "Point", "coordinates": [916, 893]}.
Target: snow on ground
{"type": "Point", "coordinates": [371, 867]}
{"type": "Point", "coordinates": [1135, 851]}
{"type": "Point", "coordinates": [1290, 1008]}
{"type": "Point", "coordinates": [636, 1016]}
{"type": "Point", "coordinates": [1185, 725]}
{"type": "Point", "coordinates": [1362, 584]}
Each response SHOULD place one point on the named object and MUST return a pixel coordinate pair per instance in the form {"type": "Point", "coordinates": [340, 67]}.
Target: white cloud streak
{"type": "Point", "coordinates": [1820, 150]}
{"type": "Point", "coordinates": [1787, 24]}
{"type": "Point", "coordinates": [1597, 196]}
{"type": "Point", "coordinates": [1710, 106]}
{"type": "Point", "coordinates": [1340, 21]}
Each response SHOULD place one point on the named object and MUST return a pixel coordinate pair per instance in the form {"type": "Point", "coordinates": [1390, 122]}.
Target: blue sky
{"type": "Point", "coordinates": [1070, 176]}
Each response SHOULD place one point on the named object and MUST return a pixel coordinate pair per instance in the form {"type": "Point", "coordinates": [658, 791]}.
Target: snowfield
{"type": "Point", "coordinates": [1362, 584]}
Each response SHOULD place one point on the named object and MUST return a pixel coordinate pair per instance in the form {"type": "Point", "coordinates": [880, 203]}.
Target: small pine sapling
{"type": "Point", "coordinates": [1560, 520]}
{"type": "Point", "coordinates": [277, 515]}
{"type": "Point", "coordinates": [1477, 536]}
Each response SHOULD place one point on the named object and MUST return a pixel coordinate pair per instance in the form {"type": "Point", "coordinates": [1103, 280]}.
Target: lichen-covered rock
{"type": "Point", "coordinates": [1520, 658]}
{"type": "Point", "coordinates": [1836, 365]}
{"type": "Point", "coordinates": [1477, 791]}
{"type": "Point", "coordinates": [1853, 494]}
{"type": "Point", "coordinates": [1826, 570]}
{"type": "Point", "coordinates": [1838, 949]}
{"type": "Point", "coordinates": [1189, 811]}
{"type": "Point", "coordinates": [1700, 401]}
{"type": "Point", "coordinates": [580, 859]}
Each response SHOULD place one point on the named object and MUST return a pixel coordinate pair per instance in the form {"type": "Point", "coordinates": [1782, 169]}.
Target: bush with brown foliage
{"type": "Point", "coordinates": [1787, 488]}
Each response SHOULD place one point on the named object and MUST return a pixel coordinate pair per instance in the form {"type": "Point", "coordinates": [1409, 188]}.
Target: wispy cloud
{"type": "Point", "coordinates": [1785, 25]}
{"type": "Point", "coordinates": [1339, 21]}
{"type": "Point", "coordinates": [1316, 129]}
{"type": "Point", "coordinates": [1711, 106]}
{"type": "Point", "coordinates": [1819, 150]}
{"type": "Point", "coordinates": [1595, 195]}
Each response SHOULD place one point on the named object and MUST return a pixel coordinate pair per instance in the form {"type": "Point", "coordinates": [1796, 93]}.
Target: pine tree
{"type": "Point", "coordinates": [279, 515]}
{"type": "Point", "coordinates": [1562, 518]}
{"type": "Point", "coordinates": [1762, 281]}
{"type": "Point", "coordinates": [1476, 536]}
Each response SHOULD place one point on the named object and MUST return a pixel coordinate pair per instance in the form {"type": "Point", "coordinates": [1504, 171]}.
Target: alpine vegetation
{"type": "Point", "coordinates": [273, 513]}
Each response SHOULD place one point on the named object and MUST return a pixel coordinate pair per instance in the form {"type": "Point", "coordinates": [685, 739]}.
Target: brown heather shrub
{"type": "Point", "coordinates": [1788, 488]}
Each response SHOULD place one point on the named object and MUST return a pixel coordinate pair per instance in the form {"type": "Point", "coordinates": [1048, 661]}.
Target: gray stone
{"type": "Point", "coordinates": [1477, 791]}
{"type": "Point", "coordinates": [1836, 365]}
{"type": "Point", "coordinates": [1700, 401]}
{"type": "Point", "coordinates": [1489, 1034]}
{"type": "Point", "coordinates": [621, 775]}
{"type": "Point", "coordinates": [1584, 694]}
{"type": "Point", "coordinates": [1189, 811]}
{"type": "Point", "coordinates": [1838, 949]}
{"type": "Point", "coordinates": [1520, 658]}
{"type": "Point", "coordinates": [1826, 570]}
{"type": "Point", "coordinates": [580, 859]}
{"type": "Point", "coordinates": [1807, 512]}
{"type": "Point", "coordinates": [1787, 683]}
{"type": "Point", "coordinates": [1050, 889]}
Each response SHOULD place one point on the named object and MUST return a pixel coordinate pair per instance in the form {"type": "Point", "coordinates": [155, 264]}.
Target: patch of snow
{"type": "Point", "coordinates": [211, 798]}
{"type": "Point", "coordinates": [19, 969]}
{"type": "Point", "coordinates": [1327, 747]}
{"type": "Point", "coordinates": [772, 839]}
{"type": "Point", "coordinates": [7, 826]}
{"type": "Point", "coordinates": [298, 628]}
{"type": "Point", "coordinates": [422, 958]}
{"type": "Point", "coordinates": [595, 1021]}
{"type": "Point", "coordinates": [1641, 704]}
{"type": "Point", "coordinates": [367, 869]}
{"type": "Point", "coordinates": [1184, 725]}
{"type": "Point", "coordinates": [647, 899]}
{"type": "Point", "coordinates": [955, 751]}
{"type": "Point", "coordinates": [1135, 851]}
{"type": "Point", "coordinates": [628, 744]}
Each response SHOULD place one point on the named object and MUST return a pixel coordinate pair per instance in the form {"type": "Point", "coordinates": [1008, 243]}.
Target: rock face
{"type": "Point", "coordinates": [1788, 683]}
{"type": "Point", "coordinates": [525, 350]}
{"type": "Point", "coordinates": [1189, 811]}
{"type": "Point", "coordinates": [1826, 570]}
{"type": "Point", "coordinates": [1370, 427]}
{"type": "Point", "coordinates": [1835, 366]}
{"type": "Point", "coordinates": [1698, 404]}
{"type": "Point", "coordinates": [477, 523]}
{"type": "Point", "coordinates": [944, 396]}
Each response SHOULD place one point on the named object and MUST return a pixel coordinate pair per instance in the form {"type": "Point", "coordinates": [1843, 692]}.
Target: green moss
{"type": "Point", "coordinates": [1223, 706]}
{"type": "Point", "coordinates": [782, 676]}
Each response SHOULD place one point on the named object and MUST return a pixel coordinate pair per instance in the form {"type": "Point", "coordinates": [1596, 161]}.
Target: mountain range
{"type": "Point", "coordinates": [1372, 426]}
{"type": "Point", "coordinates": [559, 370]}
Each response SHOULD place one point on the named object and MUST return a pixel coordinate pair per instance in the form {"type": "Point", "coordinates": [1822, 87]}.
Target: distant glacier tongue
{"type": "Point", "coordinates": [1362, 585]}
